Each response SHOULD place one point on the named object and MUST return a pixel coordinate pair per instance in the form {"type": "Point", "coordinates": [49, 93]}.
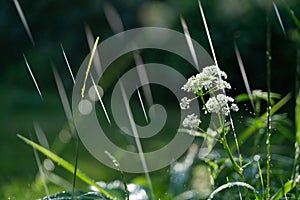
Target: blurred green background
{"type": "Point", "coordinates": [63, 22]}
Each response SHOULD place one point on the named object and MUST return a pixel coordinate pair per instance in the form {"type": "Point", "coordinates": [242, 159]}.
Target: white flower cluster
{"type": "Point", "coordinates": [185, 103]}
{"type": "Point", "coordinates": [191, 121]}
{"type": "Point", "coordinates": [209, 80]}
{"type": "Point", "coordinates": [220, 104]}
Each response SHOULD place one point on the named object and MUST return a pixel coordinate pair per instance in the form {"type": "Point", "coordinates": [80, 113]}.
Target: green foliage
{"type": "Point", "coordinates": [224, 173]}
{"type": "Point", "coordinates": [68, 166]}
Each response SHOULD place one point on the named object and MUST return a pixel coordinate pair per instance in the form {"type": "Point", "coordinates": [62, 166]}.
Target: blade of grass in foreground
{"type": "Point", "coordinates": [231, 184]}
{"type": "Point", "coordinates": [288, 186]}
{"type": "Point", "coordinates": [89, 66]}
{"type": "Point", "coordinates": [68, 166]}
{"type": "Point", "coordinates": [24, 21]}
{"type": "Point", "coordinates": [292, 14]}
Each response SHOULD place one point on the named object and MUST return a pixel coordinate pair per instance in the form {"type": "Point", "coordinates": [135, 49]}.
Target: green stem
{"type": "Point", "coordinates": [203, 101]}
{"type": "Point", "coordinates": [268, 65]}
{"type": "Point", "coordinates": [235, 165]}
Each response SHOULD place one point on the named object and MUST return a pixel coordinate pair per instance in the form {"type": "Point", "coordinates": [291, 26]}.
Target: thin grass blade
{"type": "Point", "coordinates": [207, 33]}
{"type": "Point", "coordinates": [41, 135]}
{"type": "Point", "coordinates": [143, 77]}
{"type": "Point", "coordinates": [113, 18]}
{"type": "Point", "coordinates": [244, 75]}
{"type": "Point", "coordinates": [189, 41]}
{"type": "Point", "coordinates": [268, 83]}
{"type": "Point", "coordinates": [89, 67]}
{"type": "Point", "coordinates": [24, 21]}
{"type": "Point", "coordinates": [68, 166]}
{"type": "Point", "coordinates": [67, 62]}
{"type": "Point", "coordinates": [232, 184]}
{"type": "Point", "coordinates": [41, 171]}
{"type": "Point", "coordinates": [142, 104]}
{"type": "Point", "coordinates": [58, 180]}
{"type": "Point", "coordinates": [100, 99]}
{"type": "Point", "coordinates": [278, 17]}
{"type": "Point", "coordinates": [91, 41]}
{"type": "Point", "coordinates": [137, 139]}
{"type": "Point", "coordinates": [64, 100]}
{"type": "Point", "coordinates": [297, 144]}
{"type": "Point", "coordinates": [32, 76]}
{"type": "Point", "coordinates": [292, 14]}
{"type": "Point", "coordinates": [117, 164]}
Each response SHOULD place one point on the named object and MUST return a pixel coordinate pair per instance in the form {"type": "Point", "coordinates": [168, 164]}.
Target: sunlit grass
{"type": "Point", "coordinates": [228, 172]}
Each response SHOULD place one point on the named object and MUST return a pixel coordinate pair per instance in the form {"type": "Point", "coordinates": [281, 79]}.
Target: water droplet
{"type": "Point", "coordinates": [93, 93]}
{"type": "Point", "coordinates": [64, 136]}
{"type": "Point", "coordinates": [48, 164]}
{"type": "Point", "coordinates": [85, 107]}
{"type": "Point", "coordinates": [267, 142]}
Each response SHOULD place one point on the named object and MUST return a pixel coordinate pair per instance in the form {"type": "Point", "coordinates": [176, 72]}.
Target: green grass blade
{"type": "Point", "coordinates": [251, 129]}
{"type": "Point", "coordinates": [288, 186]}
{"type": "Point", "coordinates": [65, 164]}
{"type": "Point", "coordinates": [297, 144]}
{"type": "Point", "coordinates": [293, 16]}
{"type": "Point", "coordinates": [298, 119]}
{"type": "Point", "coordinates": [238, 184]}
{"type": "Point", "coordinates": [89, 66]}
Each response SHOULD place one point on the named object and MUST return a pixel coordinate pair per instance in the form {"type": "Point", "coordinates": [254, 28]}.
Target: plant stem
{"type": "Point", "coordinates": [269, 126]}
{"type": "Point", "coordinates": [235, 165]}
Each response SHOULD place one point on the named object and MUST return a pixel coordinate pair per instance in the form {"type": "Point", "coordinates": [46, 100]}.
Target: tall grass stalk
{"type": "Point", "coordinates": [137, 140]}
{"type": "Point", "coordinates": [89, 66]}
{"type": "Point", "coordinates": [238, 168]}
{"type": "Point", "coordinates": [297, 119]}
{"type": "Point", "coordinates": [68, 166]}
{"type": "Point", "coordinates": [24, 21]}
{"type": "Point", "coordinates": [75, 167]}
{"type": "Point", "coordinates": [269, 125]}
{"type": "Point", "coordinates": [32, 76]}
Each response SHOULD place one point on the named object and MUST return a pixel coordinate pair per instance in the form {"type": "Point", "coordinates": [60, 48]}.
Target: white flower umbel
{"type": "Point", "coordinates": [219, 104]}
{"type": "Point", "coordinates": [191, 121]}
{"type": "Point", "coordinates": [185, 103]}
{"type": "Point", "coordinates": [209, 80]}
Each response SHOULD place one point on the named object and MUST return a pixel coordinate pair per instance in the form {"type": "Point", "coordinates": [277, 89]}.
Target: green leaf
{"type": "Point", "coordinates": [238, 184]}
{"type": "Point", "coordinates": [65, 164]}
{"type": "Point", "coordinates": [298, 119]}
{"type": "Point", "coordinates": [288, 186]}
{"type": "Point", "coordinates": [242, 97]}
{"type": "Point", "coordinates": [251, 129]}
{"type": "Point", "coordinates": [78, 196]}
{"type": "Point", "coordinates": [293, 16]}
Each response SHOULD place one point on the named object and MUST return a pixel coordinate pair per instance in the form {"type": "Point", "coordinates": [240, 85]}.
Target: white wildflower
{"type": "Point", "coordinates": [219, 104]}
{"type": "Point", "coordinates": [234, 107]}
{"type": "Point", "coordinates": [191, 85]}
{"type": "Point", "coordinates": [191, 121]}
{"type": "Point", "coordinates": [210, 79]}
{"type": "Point", "coordinates": [185, 103]}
